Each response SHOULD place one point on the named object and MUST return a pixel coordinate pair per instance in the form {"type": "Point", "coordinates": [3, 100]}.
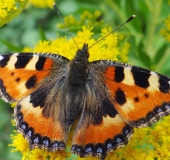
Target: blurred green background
{"type": "Point", "coordinates": [149, 49]}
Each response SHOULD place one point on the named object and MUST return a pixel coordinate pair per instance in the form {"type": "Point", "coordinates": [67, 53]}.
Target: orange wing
{"type": "Point", "coordinates": [26, 78]}
{"type": "Point", "coordinates": [41, 123]}
{"type": "Point", "coordinates": [20, 74]}
{"type": "Point", "coordinates": [101, 129]}
{"type": "Point", "coordinates": [100, 132]}
{"type": "Point", "coordinates": [140, 96]}
{"type": "Point", "coordinates": [124, 97]}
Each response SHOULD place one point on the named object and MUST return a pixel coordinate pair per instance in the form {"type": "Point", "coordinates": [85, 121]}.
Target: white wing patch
{"type": "Point", "coordinates": [1, 58]}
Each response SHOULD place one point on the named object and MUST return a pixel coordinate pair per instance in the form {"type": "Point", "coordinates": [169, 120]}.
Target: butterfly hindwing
{"type": "Point", "coordinates": [100, 128]}
{"type": "Point", "coordinates": [99, 134]}
{"type": "Point", "coordinates": [41, 122]}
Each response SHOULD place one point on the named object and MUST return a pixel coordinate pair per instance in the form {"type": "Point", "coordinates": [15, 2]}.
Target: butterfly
{"type": "Point", "coordinates": [108, 99]}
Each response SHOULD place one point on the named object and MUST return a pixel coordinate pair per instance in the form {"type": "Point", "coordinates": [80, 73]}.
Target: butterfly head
{"type": "Point", "coordinates": [83, 53]}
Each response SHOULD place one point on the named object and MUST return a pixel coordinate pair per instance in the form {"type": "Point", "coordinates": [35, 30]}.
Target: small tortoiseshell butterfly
{"type": "Point", "coordinates": [107, 98]}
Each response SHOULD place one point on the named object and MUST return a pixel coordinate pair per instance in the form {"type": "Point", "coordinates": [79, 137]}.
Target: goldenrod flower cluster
{"type": "Point", "coordinates": [10, 9]}
{"type": "Point", "coordinates": [165, 32]}
{"type": "Point", "coordinates": [86, 18]}
{"type": "Point", "coordinates": [41, 3]}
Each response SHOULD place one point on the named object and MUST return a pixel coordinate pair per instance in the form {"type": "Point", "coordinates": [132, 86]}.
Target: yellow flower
{"type": "Point", "coordinates": [38, 154]}
{"type": "Point", "coordinates": [124, 50]}
{"type": "Point", "coordinates": [42, 3]}
{"type": "Point", "coordinates": [165, 32]}
{"type": "Point", "coordinates": [68, 48]}
{"type": "Point", "coordinates": [20, 144]}
{"type": "Point", "coordinates": [10, 9]}
{"type": "Point", "coordinates": [87, 18]}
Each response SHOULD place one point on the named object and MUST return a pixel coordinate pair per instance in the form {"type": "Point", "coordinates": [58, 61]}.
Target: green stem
{"type": "Point", "coordinates": [155, 9]}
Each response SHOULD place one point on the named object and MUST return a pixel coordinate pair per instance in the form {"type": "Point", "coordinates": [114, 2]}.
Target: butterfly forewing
{"type": "Point", "coordinates": [139, 95]}
{"type": "Point", "coordinates": [21, 73]}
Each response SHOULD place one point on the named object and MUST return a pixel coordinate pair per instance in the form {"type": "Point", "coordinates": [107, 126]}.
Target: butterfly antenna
{"type": "Point", "coordinates": [133, 16]}
{"type": "Point", "coordinates": [56, 9]}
